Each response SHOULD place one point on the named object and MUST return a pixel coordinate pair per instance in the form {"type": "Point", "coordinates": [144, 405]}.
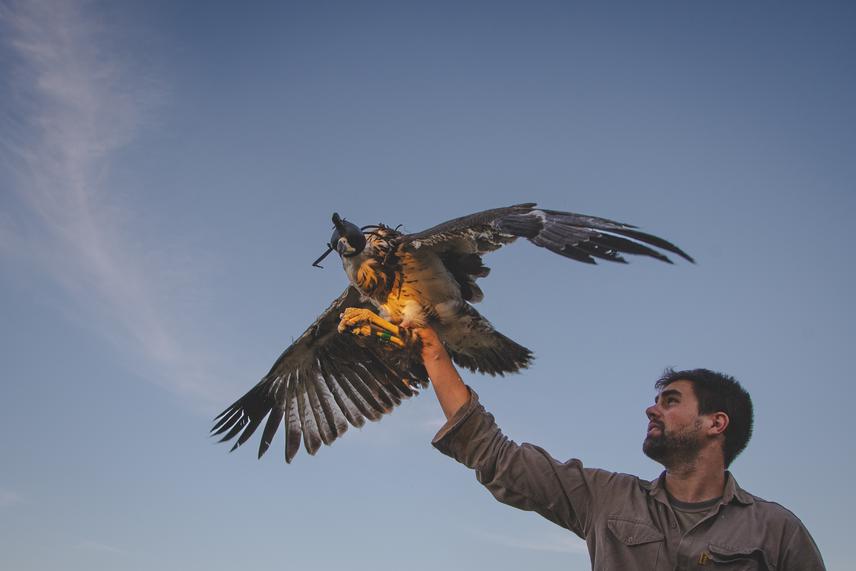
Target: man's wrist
{"type": "Point", "coordinates": [434, 354]}
{"type": "Point", "coordinates": [432, 348]}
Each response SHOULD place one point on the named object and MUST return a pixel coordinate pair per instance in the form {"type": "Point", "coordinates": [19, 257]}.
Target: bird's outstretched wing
{"type": "Point", "coordinates": [320, 384]}
{"type": "Point", "coordinates": [576, 236]}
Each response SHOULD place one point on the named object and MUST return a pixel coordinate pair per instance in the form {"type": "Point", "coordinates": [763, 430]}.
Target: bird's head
{"type": "Point", "coordinates": [347, 239]}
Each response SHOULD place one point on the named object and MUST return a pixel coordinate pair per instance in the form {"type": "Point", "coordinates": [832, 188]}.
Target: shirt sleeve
{"type": "Point", "coordinates": [800, 552]}
{"type": "Point", "coordinates": [523, 476]}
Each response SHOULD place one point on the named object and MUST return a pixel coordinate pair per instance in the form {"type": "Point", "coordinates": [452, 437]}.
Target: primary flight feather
{"type": "Point", "coordinates": [360, 358]}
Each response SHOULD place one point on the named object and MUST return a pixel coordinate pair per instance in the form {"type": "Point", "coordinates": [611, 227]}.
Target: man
{"type": "Point", "coordinates": [694, 515]}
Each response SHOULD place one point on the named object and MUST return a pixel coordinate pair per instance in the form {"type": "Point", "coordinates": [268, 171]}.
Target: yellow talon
{"type": "Point", "coordinates": [363, 330]}
{"type": "Point", "coordinates": [355, 315]}
{"type": "Point", "coordinates": [362, 322]}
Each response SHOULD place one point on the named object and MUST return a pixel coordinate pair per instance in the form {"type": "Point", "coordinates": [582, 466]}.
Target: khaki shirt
{"type": "Point", "coordinates": [627, 523]}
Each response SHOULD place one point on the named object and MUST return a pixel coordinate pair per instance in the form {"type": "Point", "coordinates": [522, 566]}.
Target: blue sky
{"type": "Point", "coordinates": [167, 174]}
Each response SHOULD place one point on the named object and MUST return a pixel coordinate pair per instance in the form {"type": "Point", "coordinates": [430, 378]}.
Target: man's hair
{"type": "Point", "coordinates": [717, 392]}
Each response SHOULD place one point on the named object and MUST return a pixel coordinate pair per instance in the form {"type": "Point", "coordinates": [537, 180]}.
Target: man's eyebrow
{"type": "Point", "coordinates": [668, 393]}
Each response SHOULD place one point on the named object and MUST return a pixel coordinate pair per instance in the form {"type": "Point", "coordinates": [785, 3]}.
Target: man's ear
{"type": "Point", "coordinates": [718, 423]}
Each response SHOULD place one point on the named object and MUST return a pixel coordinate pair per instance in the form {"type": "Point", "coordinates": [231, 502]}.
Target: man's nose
{"type": "Point", "coordinates": [651, 412]}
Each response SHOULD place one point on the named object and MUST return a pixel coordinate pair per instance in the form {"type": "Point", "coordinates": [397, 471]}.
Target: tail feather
{"type": "Point", "coordinates": [474, 344]}
{"type": "Point", "coordinates": [506, 357]}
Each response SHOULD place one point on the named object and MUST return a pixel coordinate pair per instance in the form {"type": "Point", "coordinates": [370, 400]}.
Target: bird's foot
{"type": "Point", "coordinates": [366, 324]}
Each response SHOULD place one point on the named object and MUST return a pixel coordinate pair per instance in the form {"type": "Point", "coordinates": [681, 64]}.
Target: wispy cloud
{"type": "Point", "coordinates": [74, 104]}
{"type": "Point", "coordinates": [552, 540]}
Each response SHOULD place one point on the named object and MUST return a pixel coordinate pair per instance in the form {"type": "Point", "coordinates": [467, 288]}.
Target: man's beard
{"type": "Point", "coordinates": [672, 449]}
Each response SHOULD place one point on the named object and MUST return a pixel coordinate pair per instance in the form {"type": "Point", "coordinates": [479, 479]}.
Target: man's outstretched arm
{"type": "Point", "coordinates": [525, 477]}
{"type": "Point", "coordinates": [448, 385]}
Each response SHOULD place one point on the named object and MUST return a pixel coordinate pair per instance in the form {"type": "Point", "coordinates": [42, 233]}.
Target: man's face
{"type": "Point", "coordinates": [674, 426]}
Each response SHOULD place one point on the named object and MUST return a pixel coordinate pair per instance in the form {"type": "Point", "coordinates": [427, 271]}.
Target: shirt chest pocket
{"type": "Point", "coordinates": [632, 544]}
{"type": "Point", "coordinates": [738, 558]}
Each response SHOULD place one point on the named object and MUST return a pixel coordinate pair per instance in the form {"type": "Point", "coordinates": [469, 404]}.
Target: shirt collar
{"type": "Point", "coordinates": [732, 492]}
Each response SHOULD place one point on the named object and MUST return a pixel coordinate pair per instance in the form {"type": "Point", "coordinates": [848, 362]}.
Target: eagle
{"type": "Point", "coordinates": [361, 357]}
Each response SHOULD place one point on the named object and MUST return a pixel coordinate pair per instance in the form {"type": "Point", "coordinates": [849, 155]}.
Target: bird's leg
{"type": "Point", "coordinates": [365, 323]}
{"type": "Point", "coordinates": [358, 315]}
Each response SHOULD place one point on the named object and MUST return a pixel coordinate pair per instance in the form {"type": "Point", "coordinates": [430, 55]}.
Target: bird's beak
{"type": "Point", "coordinates": [341, 247]}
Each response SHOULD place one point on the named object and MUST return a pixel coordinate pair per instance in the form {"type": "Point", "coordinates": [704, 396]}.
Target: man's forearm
{"type": "Point", "coordinates": [448, 385]}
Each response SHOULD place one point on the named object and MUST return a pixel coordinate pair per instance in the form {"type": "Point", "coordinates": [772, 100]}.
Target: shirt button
{"type": "Point", "coordinates": [674, 525]}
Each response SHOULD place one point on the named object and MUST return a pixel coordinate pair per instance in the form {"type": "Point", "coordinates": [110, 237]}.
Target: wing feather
{"type": "Point", "coordinates": [373, 408]}
{"type": "Point", "coordinates": [311, 438]}
{"type": "Point", "coordinates": [469, 228]}
{"type": "Point", "coordinates": [343, 398]}
{"type": "Point", "coordinates": [576, 236]}
{"type": "Point", "coordinates": [319, 385]}
{"type": "Point", "coordinates": [224, 423]}
{"type": "Point", "coordinates": [323, 418]}
{"type": "Point", "coordinates": [293, 431]}
{"type": "Point", "coordinates": [333, 415]}
{"type": "Point", "coordinates": [271, 426]}
{"type": "Point", "coordinates": [382, 397]}
{"type": "Point", "coordinates": [355, 391]}
{"type": "Point", "coordinates": [397, 386]}
{"type": "Point", "coordinates": [236, 428]}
